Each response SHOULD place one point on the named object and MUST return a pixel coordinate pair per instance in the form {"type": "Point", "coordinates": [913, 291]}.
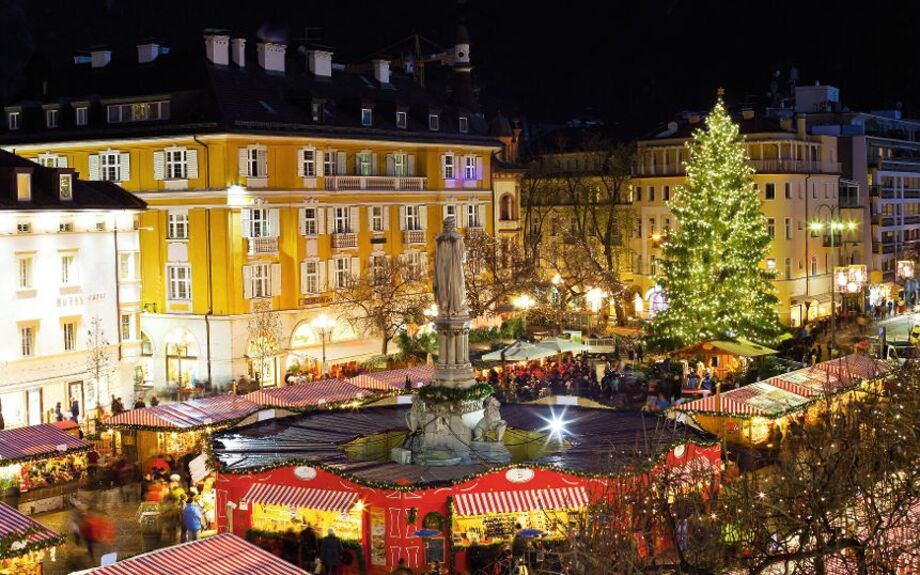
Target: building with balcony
{"type": "Point", "coordinates": [70, 250]}
{"type": "Point", "coordinates": [271, 172]}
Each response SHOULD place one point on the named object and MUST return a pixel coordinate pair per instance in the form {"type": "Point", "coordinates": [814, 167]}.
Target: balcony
{"type": "Point", "coordinates": [383, 183]}
{"type": "Point", "coordinates": [411, 237]}
{"type": "Point", "coordinates": [344, 240]}
{"type": "Point", "coordinates": [645, 171]}
{"type": "Point", "coordinates": [266, 245]}
{"type": "Point", "coordinates": [795, 166]}
{"type": "Point", "coordinates": [896, 165]}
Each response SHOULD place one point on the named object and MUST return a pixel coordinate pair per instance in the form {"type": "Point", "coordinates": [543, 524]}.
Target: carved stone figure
{"type": "Point", "coordinates": [449, 286]}
{"type": "Point", "coordinates": [491, 421]}
{"type": "Point", "coordinates": [415, 419]}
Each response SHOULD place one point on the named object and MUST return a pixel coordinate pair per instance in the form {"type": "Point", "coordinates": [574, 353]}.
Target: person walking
{"type": "Point", "coordinates": [330, 553]}
{"type": "Point", "coordinates": [75, 410]}
{"type": "Point", "coordinates": [192, 518]}
{"type": "Point", "coordinates": [308, 548]}
{"type": "Point", "coordinates": [58, 414]}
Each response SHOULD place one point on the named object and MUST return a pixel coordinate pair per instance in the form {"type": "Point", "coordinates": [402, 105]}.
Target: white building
{"type": "Point", "coordinates": [69, 252]}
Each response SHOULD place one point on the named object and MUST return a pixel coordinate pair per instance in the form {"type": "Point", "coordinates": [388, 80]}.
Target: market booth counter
{"type": "Point", "coordinates": [40, 465]}
{"type": "Point", "coordinates": [332, 469]}
{"type": "Point", "coordinates": [177, 428]}
{"type": "Point", "coordinates": [25, 543]}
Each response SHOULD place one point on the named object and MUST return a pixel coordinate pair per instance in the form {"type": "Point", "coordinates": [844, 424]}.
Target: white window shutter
{"type": "Point", "coordinates": [244, 162]}
{"type": "Point", "coordinates": [191, 159]}
{"type": "Point", "coordinates": [62, 161]}
{"type": "Point", "coordinates": [356, 267]}
{"type": "Point", "coordinates": [374, 164]}
{"type": "Point", "coordinates": [340, 167]}
{"type": "Point", "coordinates": [320, 221]}
{"type": "Point", "coordinates": [94, 167]}
{"type": "Point", "coordinates": [423, 216]}
{"type": "Point", "coordinates": [262, 155]}
{"type": "Point", "coordinates": [391, 165]}
{"type": "Point", "coordinates": [247, 282]}
{"type": "Point", "coordinates": [444, 166]}
{"type": "Point", "coordinates": [423, 263]}
{"type": "Point", "coordinates": [159, 165]}
{"type": "Point", "coordinates": [125, 167]}
{"type": "Point", "coordinates": [274, 223]}
{"type": "Point", "coordinates": [478, 167]}
{"type": "Point", "coordinates": [331, 265]}
{"type": "Point", "coordinates": [482, 215]}
{"type": "Point", "coordinates": [300, 155]}
{"type": "Point", "coordinates": [330, 217]}
{"type": "Point", "coordinates": [402, 218]}
{"type": "Point", "coordinates": [245, 223]}
{"type": "Point", "coordinates": [444, 212]}
{"type": "Point", "coordinates": [411, 164]}
{"type": "Point", "coordinates": [303, 277]}
{"type": "Point", "coordinates": [301, 221]}
{"type": "Point", "coordinates": [319, 157]}
{"type": "Point", "coordinates": [355, 217]}
{"type": "Point", "coordinates": [386, 218]}
{"type": "Point", "coordinates": [322, 276]}
{"type": "Point", "coordinates": [276, 279]}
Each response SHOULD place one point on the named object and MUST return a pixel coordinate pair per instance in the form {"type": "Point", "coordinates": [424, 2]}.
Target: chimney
{"type": "Point", "coordinates": [747, 114]}
{"type": "Point", "coordinates": [217, 48]}
{"type": "Point", "coordinates": [238, 51]}
{"type": "Point", "coordinates": [382, 71]}
{"type": "Point", "coordinates": [147, 52]}
{"type": "Point", "coordinates": [800, 130]}
{"type": "Point", "coordinates": [320, 63]}
{"type": "Point", "coordinates": [100, 57]}
{"type": "Point", "coordinates": [271, 56]}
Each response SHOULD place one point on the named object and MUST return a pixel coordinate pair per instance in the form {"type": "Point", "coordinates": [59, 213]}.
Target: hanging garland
{"type": "Point", "coordinates": [16, 544]}
{"type": "Point", "coordinates": [439, 394]}
{"type": "Point", "coordinates": [46, 456]}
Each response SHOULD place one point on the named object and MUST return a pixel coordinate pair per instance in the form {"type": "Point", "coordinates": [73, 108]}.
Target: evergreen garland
{"type": "Point", "coordinates": [432, 394]}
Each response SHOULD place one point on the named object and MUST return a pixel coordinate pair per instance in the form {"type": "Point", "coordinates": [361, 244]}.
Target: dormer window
{"type": "Point", "coordinates": [13, 120]}
{"type": "Point", "coordinates": [401, 119]}
{"type": "Point", "coordinates": [316, 111]}
{"type": "Point", "coordinates": [367, 117]}
{"type": "Point", "coordinates": [434, 122]}
{"type": "Point", "coordinates": [464, 124]}
{"type": "Point", "coordinates": [81, 115]}
{"type": "Point", "coordinates": [51, 118]}
{"type": "Point", "coordinates": [24, 187]}
{"type": "Point", "coordinates": [65, 187]}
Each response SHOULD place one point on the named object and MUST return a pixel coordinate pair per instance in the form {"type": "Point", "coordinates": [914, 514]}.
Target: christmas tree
{"type": "Point", "coordinates": [713, 272]}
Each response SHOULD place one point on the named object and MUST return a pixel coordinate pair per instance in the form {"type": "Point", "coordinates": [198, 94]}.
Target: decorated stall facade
{"type": "Point", "coordinates": [23, 543]}
{"type": "Point", "coordinates": [725, 357]}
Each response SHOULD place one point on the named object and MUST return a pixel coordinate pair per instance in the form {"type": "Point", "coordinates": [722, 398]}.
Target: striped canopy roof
{"type": "Point", "coordinates": [855, 367]}
{"type": "Point", "coordinates": [809, 382]}
{"type": "Point", "coordinates": [186, 415]}
{"type": "Point", "coordinates": [13, 524]}
{"type": "Point", "coordinates": [306, 395]}
{"type": "Point", "coordinates": [521, 501]}
{"type": "Point", "coordinates": [759, 398]}
{"type": "Point", "coordinates": [34, 441]}
{"type": "Point", "coordinates": [301, 497]}
{"type": "Point", "coordinates": [224, 554]}
{"type": "Point", "coordinates": [394, 379]}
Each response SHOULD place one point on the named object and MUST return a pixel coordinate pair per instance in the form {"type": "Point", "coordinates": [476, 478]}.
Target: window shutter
{"type": "Point", "coordinates": [374, 164]}
{"type": "Point", "coordinates": [482, 215]}
{"type": "Point", "coordinates": [62, 161]}
{"type": "Point", "coordinates": [159, 165]}
{"type": "Point", "coordinates": [340, 167]}
{"type": "Point", "coordinates": [262, 155]}
{"type": "Point", "coordinates": [247, 282]}
{"type": "Point", "coordinates": [274, 223]}
{"type": "Point", "coordinates": [331, 265]}
{"type": "Point", "coordinates": [94, 167]}
{"type": "Point", "coordinates": [322, 276]}
{"type": "Point", "coordinates": [423, 263]}
{"type": "Point", "coordinates": [478, 167]}
{"type": "Point", "coordinates": [244, 162]}
{"type": "Point", "coordinates": [303, 278]}
{"type": "Point", "coordinates": [276, 279]}
{"type": "Point", "coordinates": [330, 217]}
{"type": "Point", "coordinates": [356, 267]}
{"type": "Point", "coordinates": [301, 221]}
{"type": "Point", "coordinates": [245, 219]}
{"type": "Point", "coordinates": [444, 166]}
{"type": "Point", "coordinates": [191, 158]}
{"type": "Point", "coordinates": [355, 217]}
{"type": "Point", "coordinates": [402, 218]}
{"type": "Point", "coordinates": [391, 165]}
{"type": "Point", "coordinates": [411, 164]}
{"type": "Point", "coordinates": [386, 218]}
{"type": "Point", "coordinates": [320, 221]}
{"type": "Point", "coordinates": [445, 214]}
{"type": "Point", "coordinates": [125, 167]}
{"type": "Point", "coordinates": [300, 156]}
{"type": "Point", "coordinates": [319, 157]}
{"type": "Point", "coordinates": [423, 216]}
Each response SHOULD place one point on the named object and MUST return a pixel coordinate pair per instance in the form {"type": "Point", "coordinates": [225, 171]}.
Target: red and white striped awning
{"type": "Point", "coordinates": [301, 497]}
{"type": "Point", "coordinates": [395, 379]}
{"type": "Point", "coordinates": [307, 395]}
{"type": "Point", "coordinates": [727, 407]}
{"type": "Point", "coordinates": [192, 414]}
{"type": "Point", "coordinates": [224, 554]}
{"type": "Point", "coordinates": [521, 501]}
{"type": "Point", "coordinates": [854, 367]}
{"type": "Point", "coordinates": [14, 524]}
{"type": "Point", "coordinates": [808, 382]}
{"type": "Point", "coordinates": [22, 443]}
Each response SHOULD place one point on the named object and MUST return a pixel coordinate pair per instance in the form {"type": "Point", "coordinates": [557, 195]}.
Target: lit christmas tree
{"type": "Point", "coordinates": [713, 273]}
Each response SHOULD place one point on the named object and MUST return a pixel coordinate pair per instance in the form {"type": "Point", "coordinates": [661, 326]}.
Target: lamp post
{"type": "Point", "coordinates": [833, 226]}
{"type": "Point", "coordinates": [324, 325]}
{"type": "Point", "coordinates": [523, 302]}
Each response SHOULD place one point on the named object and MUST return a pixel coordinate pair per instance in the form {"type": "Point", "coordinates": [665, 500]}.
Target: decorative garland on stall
{"type": "Point", "coordinates": [47, 455]}
{"type": "Point", "coordinates": [440, 394]}
{"type": "Point", "coordinates": [451, 548]}
{"type": "Point", "coordinates": [14, 545]}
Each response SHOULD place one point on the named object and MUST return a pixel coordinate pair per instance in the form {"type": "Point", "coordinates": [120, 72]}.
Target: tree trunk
{"type": "Point", "coordinates": [384, 344]}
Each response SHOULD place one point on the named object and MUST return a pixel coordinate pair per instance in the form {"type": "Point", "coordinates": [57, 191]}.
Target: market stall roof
{"type": "Point", "coordinates": [394, 379]}
{"type": "Point", "coordinates": [521, 501]}
{"type": "Point", "coordinates": [562, 345]}
{"type": "Point", "coordinates": [520, 351]}
{"type": "Point", "coordinates": [595, 438]}
{"type": "Point", "coordinates": [740, 347]}
{"type": "Point", "coordinates": [306, 497]}
{"type": "Point", "coordinates": [36, 441]}
{"type": "Point", "coordinates": [24, 533]}
{"type": "Point", "coordinates": [307, 395]}
{"type": "Point", "coordinates": [809, 382]}
{"type": "Point", "coordinates": [855, 367]}
{"type": "Point", "coordinates": [186, 415]}
{"type": "Point", "coordinates": [759, 398]}
{"type": "Point", "coordinates": [66, 424]}
{"type": "Point", "coordinates": [224, 554]}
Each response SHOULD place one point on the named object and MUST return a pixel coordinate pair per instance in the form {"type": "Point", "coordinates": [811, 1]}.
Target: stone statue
{"type": "Point", "coordinates": [449, 286]}
{"type": "Point", "coordinates": [415, 419]}
{"type": "Point", "coordinates": [491, 421]}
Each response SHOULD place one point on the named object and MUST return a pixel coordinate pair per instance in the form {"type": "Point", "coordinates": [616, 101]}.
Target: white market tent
{"type": "Point", "coordinates": [526, 351]}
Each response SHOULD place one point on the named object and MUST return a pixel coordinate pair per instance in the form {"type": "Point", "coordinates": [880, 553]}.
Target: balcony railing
{"type": "Point", "coordinates": [413, 237]}
{"type": "Point", "coordinates": [795, 166]}
{"type": "Point", "coordinates": [385, 183]}
{"type": "Point", "coordinates": [266, 245]}
{"type": "Point", "coordinates": [344, 240]}
{"type": "Point", "coordinates": [659, 170]}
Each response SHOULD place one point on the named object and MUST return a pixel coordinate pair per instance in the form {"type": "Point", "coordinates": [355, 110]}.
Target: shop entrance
{"type": "Point", "coordinates": [35, 407]}
{"type": "Point", "coordinates": [75, 392]}
{"type": "Point", "coordinates": [181, 358]}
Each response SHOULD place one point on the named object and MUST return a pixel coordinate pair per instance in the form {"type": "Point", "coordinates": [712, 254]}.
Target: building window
{"type": "Point", "coordinates": [24, 187]}
{"type": "Point", "coordinates": [652, 224]}
{"type": "Point", "coordinates": [176, 164]}
{"type": "Point", "coordinates": [400, 165]}
{"type": "Point", "coordinates": [401, 119]}
{"type": "Point", "coordinates": [12, 120]}
{"type": "Point", "coordinates": [261, 285]}
{"type": "Point", "coordinates": [415, 265]}
{"type": "Point", "coordinates": [100, 225]}
{"type": "Point", "coordinates": [666, 193]}
{"type": "Point", "coordinates": [329, 164]}
{"type": "Point", "coordinates": [316, 110]}
{"type": "Point", "coordinates": [177, 228]}
{"type": "Point", "coordinates": [367, 117]}
{"type": "Point", "coordinates": [769, 191]}
{"type": "Point", "coordinates": [51, 118]}
{"type": "Point", "coordinates": [180, 282]}
{"type": "Point", "coordinates": [787, 268]}
{"type": "Point", "coordinates": [110, 166]}
{"type": "Point", "coordinates": [788, 226]}
{"type": "Point", "coordinates": [814, 265]}
{"type": "Point", "coordinates": [308, 163]}
{"type": "Point", "coordinates": [259, 226]}
{"type": "Point", "coordinates": [310, 224]}
{"type": "Point", "coordinates": [464, 124]}
{"type": "Point", "coordinates": [27, 340]}
{"type": "Point", "coordinates": [256, 162]}
{"type": "Point", "coordinates": [434, 122]}
{"type": "Point", "coordinates": [342, 272]}
{"type": "Point", "coordinates": [137, 112]}
{"type": "Point", "coordinates": [376, 218]}
{"type": "Point", "coordinates": [469, 167]}
{"type": "Point", "coordinates": [413, 217]}
{"type": "Point", "coordinates": [65, 187]}
{"type": "Point", "coordinates": [637, 193]}
{"type": "Point", "coordinates": [771, 264]}
{"type": "Point", "coordinates": [25, 273]}
{"type": "Point", "coordinates": [126, 327]}
{"type": "Point", "coordinates": [342, 220]}
{"type": "Point", "coordinates": [64, 227]}
{"type": "Point", "coordinates": [68, 270]}
{"type": "Point", "coordinates": [447, 166]}
{"type": "Point", "coordinates": [651, 193]}
{"type": "Point", "coordinates": [771, 227]}
{"type": "Point", "coordinates": [311, 277]}
{"type": "Point", "coordinates": [378, 269]}
{"type": "Point", "coordinates": [81, 115]}
{"type": "Point", "coordinates": [126, 266]}
{"type": "Point", "coordinates": [472, 216]}
{"type": "Point", "coordinates": [787, 190]}
{"type": "Point", "coordinates": [70, 336]}
{"type": "Point", "coordinates": [23, 228]}
{"type": "Point", "coordinates": [364, 163]}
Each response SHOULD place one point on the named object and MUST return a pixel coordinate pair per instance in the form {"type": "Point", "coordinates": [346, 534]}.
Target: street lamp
{"type": "Point", "coordinates": [595, 297]}
{"type": "Point", "coordinates": [324, 325]}
{"type": "Point", "coordinates": [523, 302]}
{"type": "Point", "coordinates": [833, 226]}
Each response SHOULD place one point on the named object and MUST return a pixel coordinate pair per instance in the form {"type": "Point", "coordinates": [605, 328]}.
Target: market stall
{"type": "Point", "coordinates": [394, 379]}
{"type": "Point", "coordinates": [28, 541]}
{"type": "Point", "coordinates": [324, 393]}
{"type": "Point", "coordinates": [520, 351]}
{"type": "Point", "coordinates": [176, 429]}
{"type": "Point", "coordinates": [724, 357]}
{"type": "Point", "coordinates": [40, 465]}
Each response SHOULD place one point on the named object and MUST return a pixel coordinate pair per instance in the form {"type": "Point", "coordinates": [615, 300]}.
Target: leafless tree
{"type": "Point", "coordinates": [100, 366]}
{"type": "Point", "coordinates": [494, 271]}
{"type": "Point", "coordinates": [265, 336]}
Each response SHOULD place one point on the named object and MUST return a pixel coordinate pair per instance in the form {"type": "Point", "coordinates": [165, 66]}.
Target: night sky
{"type": "Point", "coordinates": [631, 64]}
